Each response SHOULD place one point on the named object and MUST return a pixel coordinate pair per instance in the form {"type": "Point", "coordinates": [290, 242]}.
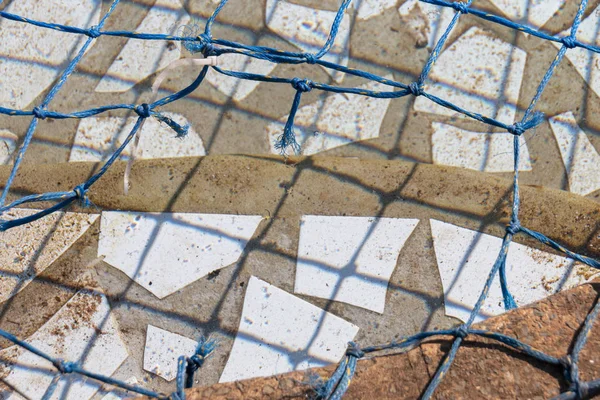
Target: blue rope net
{"type": "Point", "coordinates": [203, 42]}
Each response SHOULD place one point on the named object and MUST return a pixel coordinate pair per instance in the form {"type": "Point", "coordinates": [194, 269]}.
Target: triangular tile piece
{"type": "Point", "coordinates": [239, 89]}
{"type": "Point", "coordinates": [372, 8]}
{"type": "Point", "coordinates": [280, 333]}
{"type": "Point", "coordinates": [33, 57]}
{"type": "Point", "coordinates": [471, 74]}
{"type": "Point", "coordinates": [164, 252]}
{"type": "Point", "coordinates": [426, 21]}
{"type": "Point", "coordinates": [338, 120]}
{"type": "Point", "coordinates": [586, 62]}
{"type": "Point", "coordinates": [349, 259]}
{"type": "Point", "coordinates": [81, 331]}
{"type": "Point", "coordinates": [308, 29]}
{"type": "Point", "coordinates": [98, 137]}
{"type": "Point", "coordinates": [465, 259]}
{"type": "Point", "coordinates": [8, 144]}
{"type": "Point", "coordinates": [27, 250]}
{"type": "Point", "coordinates": [532, 13]}
{"type": "Point", "coordinates": [141, 58]}
{"type": "Point", "coordinates": [162, 350]}
{"type": "Point", "coordinates": [488, 152]}
{"type": "Point", "coordinates": [581, 159]}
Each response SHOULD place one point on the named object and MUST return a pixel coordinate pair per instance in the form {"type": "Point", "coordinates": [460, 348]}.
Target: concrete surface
{"type": "Point", "coordinates": [426, 278]}
{"type": "Point", "coordinates": [281, 192]}
{"type": "Point", "coordinates": [485, 67]}
{"type": "Point", "coordinates": [483, 369]}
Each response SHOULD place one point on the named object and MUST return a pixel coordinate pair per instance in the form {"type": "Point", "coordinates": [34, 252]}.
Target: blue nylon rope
{"type": "Point", "coordinates": [196, 41]}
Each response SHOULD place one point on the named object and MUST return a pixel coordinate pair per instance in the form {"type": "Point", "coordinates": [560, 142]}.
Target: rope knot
{"type": "Point", "coordinates": [462, 332]}
{"type": "Point", "coordinates": [39, 112]}
{"type": "Point", "coordinates": [460, 7]}
{"type": "Point", "coordinates": [65, 367]}
{"type": "Point", "coordinates": [415, 88]}
{"type": "Point", "coordinates": [143, 110]}
{"type": "Point", "coordinates": [354, 351]}
{"type": "Point", "coordinates": [310, 58]}
{"type": "Point", "coordinates": [516, 129]}
{"type": "Point", "coordinates": [513, 228]}
{"type": "Point", "coordinates": [94, 32]}
{"type": "Point", "coordinates": [569, 42]}
{"type": "Point", "coordinates": [206, 45]}
{"type": "Point", "coordinates": [582, 390]}
{"type": "Point", "coordinates": [194, 363]}
{"type": "Point", "coordinates": [302, 85]}
{"type": "Point", "coordinates": [81, 193]}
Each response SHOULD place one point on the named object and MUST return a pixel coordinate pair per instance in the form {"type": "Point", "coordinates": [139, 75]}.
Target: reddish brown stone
{"type": "Point", "coordinates": [483, 369]}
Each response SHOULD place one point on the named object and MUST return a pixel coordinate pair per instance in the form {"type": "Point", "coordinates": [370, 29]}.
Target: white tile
{"type": "Point", "coordinates": [476, 150]}
{"type": "Point", "coordinates": [580, 157]}
{"type": "Point", "coordinates": [239, 89]}
{"type": "Point", "coordinates": [164, 252]}
{"type": "Point", "coordinates": [8, 144]}
{"type": "Point", "coordinates": [338, 120]}
{"type": "Point", "coordinates": [330, 244]}
{"type": "Point", "coordinates": [465, 259]}
{"type": "Point", "coordinates": [429, 20]}
{"type": "Point", "coordinates": [141, 58]}
{"type": "Point", "coordinates": [280, 333]}
{"type": "Point", "coordinates": [308, 29]}
{"type": "Point", "coordinates": [586, 62]}
{"type": "Point", "coordinates": [162, 350]}
{"type": "Point", "coordinates": [81, 331]}
{"type": "Point", "coordinates": [27, 250]}
{"type": "Point", "coordinates": [471, 73]}
{"type": "Point", "coordinates": [98, 137]}
{"type": "Point", "coordinates": [33, 57]}
{"type": "Point", "coordinates": [534, 13]}
{"type": "Point", "coordinates": [371, 8]}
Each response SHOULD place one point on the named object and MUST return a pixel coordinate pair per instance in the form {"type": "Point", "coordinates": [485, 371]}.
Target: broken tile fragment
{"type": "Point", "coordinates": [479, 73]}
{"type": "Point", "coordinates": [164, 252]}
{"type": "Point", "coordinates": [97, 138]}
{"type": "Point", "coordinates": [487, 152]}
{"type": "Point", "coordinates": [142, 58]}
{"type": "Point", "coordinates": [349, 259]}
{"type": "Point", "coordinates": [465, 259]}
{"type": "Point", "coordinates": [280, 333]}
{"type": "Point", "coordinates": [82, 331]}
{"type": "Point", "coordinates": [33, 57]}
{"type": "Point", "coordinates": [162, 350]}
{"type": "Point", "coordinates": [338, 120]}
{"type": "Point", "coordinates": [580, 157]}
{"type": "Point", "coordinates": [308, 29]}
{"type": "Point", "coordinates": [27, 250]}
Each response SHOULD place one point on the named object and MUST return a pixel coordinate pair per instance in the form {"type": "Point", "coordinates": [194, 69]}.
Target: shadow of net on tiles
{"type": "Point", "coordinates": [204, 43]}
